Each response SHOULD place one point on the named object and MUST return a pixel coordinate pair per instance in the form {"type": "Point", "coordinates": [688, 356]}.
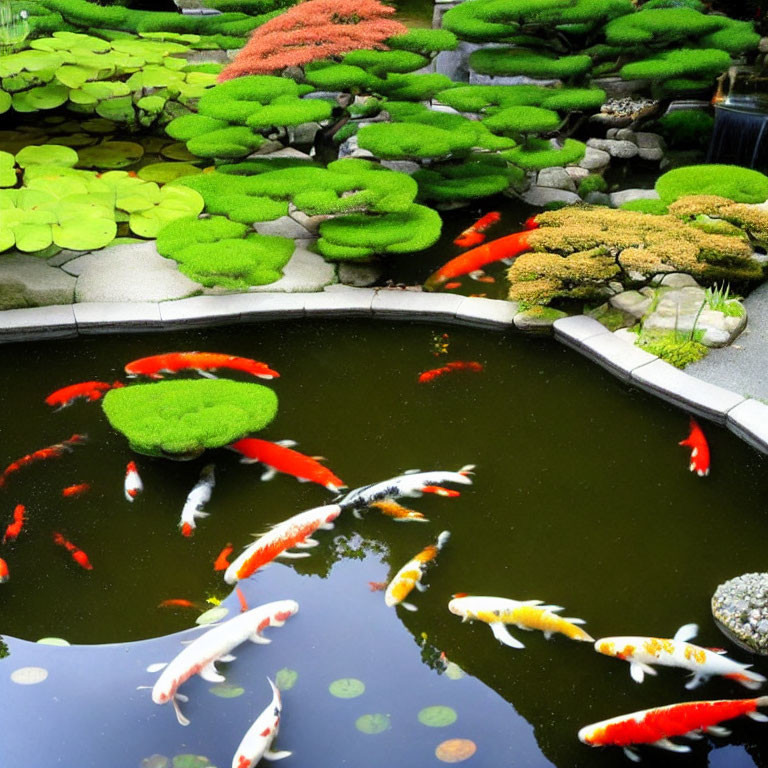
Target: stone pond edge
{"type": "Point", "coordinates": [744, 416]}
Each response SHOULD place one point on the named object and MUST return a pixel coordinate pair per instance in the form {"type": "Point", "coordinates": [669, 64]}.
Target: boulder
{"type": "Point", "coordinates": [597, 198]}
{"type": "Point", "coordinates": [557, 178]}
{"type": "Point", "coordinates": [651, 154]}
{"type": "Point", "coordinates": [628, 195]}
{"type": "Point", "coordinates": [595, 159]}
{"type": "Point", "coordinates": [624, 134]}
{"type": "Point", "coordinates": [577, 173]}
{"type": "Point", "coordinates": [646, 140]}
{"type": "Point", "coordinates": [675, 280]}
{"type": "Point", "coordinates": [615, 148]}
{"type": "Point", "coordinates": [27, 281]}
{"type": "Point", "coordinates": [740, 609]}
{"type": "Point", "coordinates": [359, 275]}
{"type": "Point", "coordinates": [402, 166]}
{"type": "Point", "coordinates": [634, 303]}
{"type": "Point", "coordinates": [541, 196]}
{"type": "Point", "coordinates": [285, 226]}
{"type": "Point", "coordinates": [537, 319]}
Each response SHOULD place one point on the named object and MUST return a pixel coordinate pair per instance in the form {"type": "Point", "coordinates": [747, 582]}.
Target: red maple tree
{"type": "Point", "coordinates": [315, 29]}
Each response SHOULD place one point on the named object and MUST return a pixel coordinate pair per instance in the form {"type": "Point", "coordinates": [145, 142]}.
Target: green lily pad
{"type": "Point", "coordinates": [212, 615]}
{"type": "Point", "coordinates": [153, 104]}
{"type": "Point", "coordinates": [227, 691]}
{"type": "Point", "coordinates": [119, 109]}
{"type": "Point", "coordinates": [437, 716]}
{"type": "Point", "coordinates": [52, 641]}
{"type": "Point", "coordinates": [376, 723]}
{"type": "Point", "coordinates": [453, 671]}
{"type": "Point", "coordinates": [111, 154]}
{"type": "Point", "coordinates": [75, 140]}
{"type": "Point", "coordinates": [99, 125]}
{"type": "Point", "coordinates": [174, 203]}
{"type": "Point", "coordinates": [286, 678]}
{"type": "Point", "coordinates": [65, 41]}
{"type": "Point", "coordinates": [47, 96]}
{"type": "Point", "coordinates": [74, 76]}
{"type": "Point", "coordinates": [178, 151]}
{"type": "Point", "coordinates": [84, 233]}
{"type": "Point", "coordinates": [32, 237]}
{"type": "Point", "coordinates": [191, 761]}
{"type": "Point", "coordinates": [162, 173]}
{"type": "Point", "coordinates": [5, 101]}
{"type": "Point", "coordinates": [347, 688]}
{"type": "Point", "coordinates": [7, 170]}
{"type": "Point", "coordinates": [47, 154]}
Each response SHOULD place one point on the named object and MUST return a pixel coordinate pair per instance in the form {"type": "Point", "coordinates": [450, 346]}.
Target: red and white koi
{"type": "Point", "coordinates": [296, 531]}
{"type": "Point", "coordinates": [656, 726]}
{"type": "Point", "coordinates": [88, 390]}
{"type": "Point", "coordinates": [397, 512]}
{"type": "Point", "coordinates": [410, 575]}
{"type": "Point", "coordinates": [411, 484]}
{"type": "Point", "coordinates": [458, 365]}
{"type": "Point", "coordinates": [497, 612]}
{"type": "Point", "coordinates": [5, 574]}
{"type": "Point", "coordinates": [71, 491]}
{"type": "Point", "coordinates": [201, 655]}
{"type": "Point", "coordinates": [642, 652]}
{"type": "Point", "coordinates": [198, 497]}
{"type": "Point", "coordinates": [77, 554]}
{"type": "Point", "coordinates": [132, 486]}
{"type": "Point", "coordinates": [51, 452]}
{"type": "Point", "coordinates": [202, 362]}
{"type": "Point", "coordinates": [257, 742]}
{"type": "Point", "coordinates": [699, 450]}
{"type": "Point", "coordinates": [14, 529]}
{"type": "Point", "coordinates": [474, 235]}
{"type": "Point", "coordinates": [279, 457]}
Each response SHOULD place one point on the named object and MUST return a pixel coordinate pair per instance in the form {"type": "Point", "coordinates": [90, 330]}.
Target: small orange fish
{"type": "Point", "coordinates": [178, 603]}
{"type": "Point", "coordinates": [458, 365]}
{"type": "Point", "coordinates": [452, 286]}
{"type": "Point", "coordinates": [77, 554]}
{"type": "Point", "coordinates": [241, 598]}
{"type": "Point", "coordinates": [89, 390]}
{"type": "Point", "coordinates": [222, 561]}
{"type": "Point", "coordinates": [472, 235]}
{"type": "Point", "coordinates": [531, 223]}
{"type": "Point", "coordinates": [14, 528]}
{"type": "Point", "coordinates": [4, 572]}
{"type": "Point", "coordinates": [75, 490]}
{"type": "Point", "coordinates": [699, 450]}
{"type": "Point", "coordinates": [203, 362]}
{"type": "Point", "coordinates": [377, 586]}
{"type": "Point", "coordinates": [52, 452]}
{"type": "Point", "coordinates": [397, 511]}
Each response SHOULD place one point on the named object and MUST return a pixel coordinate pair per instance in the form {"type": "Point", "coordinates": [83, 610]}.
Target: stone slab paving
{"type": "Point", "coordinates": [415, 305]}
{"type": "Point", "coordinates": [28, 281]}
{"type": "Point", "coordinates": [340, 301]}
{"type": "Point", "coordinates": [615, 355]}
{"type": "Point", "coordinates": [749, 420]}
{"type": "Point", "coordinates": [487, 313]}
{"type": "Point", "coordinates": [306, 272]}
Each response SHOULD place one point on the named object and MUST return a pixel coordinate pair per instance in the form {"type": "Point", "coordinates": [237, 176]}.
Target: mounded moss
{"type": "Point", "coordinates": [339, 77]}
{"type": "Point", "coordinates": [477, 98]}
{"type": "Point", "coordinates": [742, 185]}
{"type": "Point", "coordinates": [574, 99]}
{"type": "Point", "coordinates": [576, 16]}
{"type": "Point", "coordinates": [520, 61]}
{"type": "Point", "coordinates": [227, 143]}
{"type": "Point", "coordinates": [466, 21]}
{"type": "Point", "coordinates": [536, 154]}
{"type": "Point", "coordinates": [295, 112]}
{"type": "Point", "coordinates": [516, 120]}
{"type": "Point", "coordinates": [414, 87]}
{"type": "Point", "coordinates": [424, 41]}
{"type": "Point", "coordinates": [393, 141]}
{"type": "Point", "coordinates": [478, 176]}
{"type": "Point", "coordinates": [685, 63]}
{"type": "Point", "coordinates": [686, 128]}
{"type": "Point", "coordinates": [182, 418]}
{"type": "Point", "coordinates": [379, 63]}
{"type": "Point", "coordinates": [660, 26]}
{"type": "Point", "coordinates": [655, 207]}
{"type": "Point", "coordinates": [236, 100]}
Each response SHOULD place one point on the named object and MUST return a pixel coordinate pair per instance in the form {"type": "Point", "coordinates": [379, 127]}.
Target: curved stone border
{"type": "Point", "coordinates": [745, 417]}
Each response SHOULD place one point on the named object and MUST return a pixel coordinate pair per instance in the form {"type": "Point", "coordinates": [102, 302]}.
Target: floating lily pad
{"type": "Point", "coordinates": [155, 761]}
{"type": "Point", "coordinates": [5, 101]}
{"type": "Point", "coordinates": [99, 125]}
{"type": "Point", "coordinates": [29, 675]}
{"type": "Point", "coordinates": [119, 109]}
{"type": "Point", "coordinates": [52, 641]}
{"type": "Point", "coordinates": [74, 140]}
{"type": "Point", "coordinates": [191, 761]}
{"type": "Point", "coordinates": [47, 96]}
{"type": "Point", "coordinates": [347, 688]}
{"type": "Point", "coordinates": [47, 154]}
{"type": "Point", "coordinates": [178, 151]}
{"type": "Point", "coordinates": [453, 671]}
{"type": "Point", "coordinates": [162, 173]}
{"type": "Point", "coordinates": [111, 154]}
{"type": "Point", "coordinates": [437, 716]}
{"type": "Point", "coordinates": [7, 169]}
{"type": "Point", "coordinates": [153, 104]}
{"type": "Point", "coordinates": [212, 615]}
{"type": "Point", "coordinates": [174, 203]}
{"type": "Point", "coordinates": [376, 723]}
{"type": "Point", "coordinates": [455, 750]}
{"type": "Point", "coordinates": [227, 691]}
{"type": "Point", "coordinates": [286, 678]}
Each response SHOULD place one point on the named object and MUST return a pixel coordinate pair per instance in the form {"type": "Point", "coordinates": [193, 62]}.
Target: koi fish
{"type": "Point", "coordinates": [88, 390]}
{"type": "Point", "coordinates": [222, 562]}
{"type": "Point", "coordinates": [202, 362]}
{"type": "Point", "coordinates": [531, 223]}
{"type": "Point", "coordinates": [201, 655]}
{"type": "Point", "coordinates": [296, 531]}
{"type": "Point", "coordinates": [642, 652]}
{"type": "Point", "coordinates": [132, 486]}
{"type": "Point", "coordinates": [257, 742]}
{"type": "Point", "coordinates": [656, 726]}
{"type": "Point", "coordinates": [278, 457]}
{"type": "Point", "coordinates": [77, 554]}
{"type": "Point", "coordinates": [14, 528]}
{"type": "Point", "coordinates": [51, 452]}
{"type": "Point", "coordinates": [699, 450]}
{"type": "Point", "coordinates": [504, 248]}
{"type": "Point", "coordinates": [526, 614]}
{"type": "Point", "coordinates": [438, 490]}
{"type": "Point", "coordinates": [397, 512]}
{"type": "Point", "coordinates": [176, 602]}
{"type": "Point", "coordinates": [411, 483]}
{"type": "Point", "coordinates": [75, 490]}
{"type": "Point", "coordinates": [410, 575]}
{"type": "Point", "coordinates": [473, 235]}
{"type": "Point", "coordinates": [198, 497]}
{"type": "Point", "coordinates": [458, 365]}
{"type": "Point", "coordinates": [4, 572]}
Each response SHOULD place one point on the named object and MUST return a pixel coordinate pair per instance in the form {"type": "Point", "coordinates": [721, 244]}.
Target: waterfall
{"type": "Point", "coordinates": [739, 138]}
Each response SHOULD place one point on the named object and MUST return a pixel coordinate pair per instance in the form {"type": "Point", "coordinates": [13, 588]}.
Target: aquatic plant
{"type": "Point", "coordinates": [742, 185]}
{"type": "Point", "coordinates": [180, 419]}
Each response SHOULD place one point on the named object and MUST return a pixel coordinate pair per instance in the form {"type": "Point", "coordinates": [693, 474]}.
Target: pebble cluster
{"type": "Point", "coordinates": [740, 608]}
{"type": "Point", "coordinates": [628, 106]}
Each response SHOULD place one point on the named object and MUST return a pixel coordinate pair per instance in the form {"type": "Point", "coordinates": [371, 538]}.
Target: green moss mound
{"type": "Point", "coordinates": [536, 154]}
{"type": "Point", "coordinates": [655, 207]}
{"type": "Point", "coordinates": [183, 418]}
{"type": "Point", "coordinates": [687, 128]}
{"type": "Point", "coordinates": [514, 120]}
{"type": "Point", "coordinates": [424, 41]}
{"type": "Point", "coordinates": [685, 63]}
{"type": "Point", "coordinates": [741, 185]}
{"type": "Point", "coordinates": [520, 61]}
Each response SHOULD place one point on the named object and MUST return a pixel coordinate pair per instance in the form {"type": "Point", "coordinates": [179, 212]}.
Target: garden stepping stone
{"type": "Point", "coordinates": [26, 281]}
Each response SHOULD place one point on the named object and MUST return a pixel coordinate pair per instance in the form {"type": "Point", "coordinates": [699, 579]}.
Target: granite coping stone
{"type": "Point", "coordinates": [267, 306]}
{"type": "Point", "coordinates": [575, 329]}
{"type": "Point", "coordinates": [56, 321]}
{"type": "Point", "coordinates": [615, 355]}
{"type": "Point", "coordinates": [749, 421]}
{"type": "Point", "coordinates": [340, 300]}
{"type": "Point", "coordinates": [107, 317]}
{"type": "Point", "coordinates": [487, 313]}
{"type": "Point", "coordinates": [686, 391]}
{"type": "Point", "coordinates": [417, 305]}
{"type": "Point", "coordinates": [198, 311]}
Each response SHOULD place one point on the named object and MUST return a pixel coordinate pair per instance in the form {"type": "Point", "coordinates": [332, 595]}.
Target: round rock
{"type": "Point", "coordinates": [740, 610]}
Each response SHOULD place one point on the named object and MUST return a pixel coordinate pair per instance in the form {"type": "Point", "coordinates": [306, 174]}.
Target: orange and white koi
{"type": "Point", "coordinates": [474, 235]}
{"type": "Point", "coordinates": [458, 365]}
{"type": "Point", "coordinates": [504, 248]}
{"type": "Point", "coordinates": [202, 362]}
{"type": "Point", "coordinates": [14, 529]}
{"type": "Point", "coordinates": [178, 602]}
{"type": "Point", "coordinates": [132, 486]}
{"type": "Point", "coordinates": [197, 498]}
{"type": "Point", "coordinates": [279, 457]}
{"type": "Point", "coordinates": [398, 512]}
{"type": "Point", "coordinates": [656, 726]}
{"type": "Point", "coordinates": [412, 484]}
{"type": "Point", "coordinates": [497, 612]}
{"type": "Point", "coordinates": [88, 390]}
{"type": "Point", "coordinates": [257, 742]}
{"type": "Point", "coordinates": [5, 574]}
{"type": "Point", "coordinates": [222, 561]}
{"type": "Point", "coordinates": [699, 450]}
{"type": "Point", "coordinates": [438, 490]}
{"type": "Point", "coordinates": [52, 452]}
{"type": "Point", "coordinates": [410, 575]}
{"type": "Point", "coordinates": [296, 531]}
{"type": "Point", "coordinates": [642, 652]}
{"type": "Point", "coordinates": [77, 554]}
{"type": "Point", "coordinates": [201, 655]}
{"type": "Point", "coordinates": [75, 490]}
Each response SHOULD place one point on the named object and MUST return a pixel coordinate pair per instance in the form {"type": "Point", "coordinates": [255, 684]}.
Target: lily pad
{"type": "Point", "coordinates": [5, 101]}
{"type": "Point", "coordinates": [286, 678]}
{"type": "Point", "coordinates": [347, 688]}
{"type": "Point", "coordinates": [191, 761]}
{"type": "Point", "coordinates": [111, 154]}
{"type": "Point", "coordinates": [152, 104]}
{"type": "Point", "coordinates": [52, 641]}
{"type": "Point", "coordinates": [119, 109]}
{"type": "Point", "coordinates": [174, 203]}
{"type": "Point", "coordinates": [453, 671]}
{"type": "Point", "coordinates": [437, 716]}
{"type": "Point", "coordinates": [47, 154]}
{"type": "Point", "coordinates": [99, 125]}
{"type": "Point", "coordinates": [376, 723]}
{"type": "Point", "coordinates": [47, 96]}
{"type": "Point", "coordinates": [227, 691]}
{"type": "Point", "coordinates": [162, 173]}
{"type": "Point", "coordinates": [29, 675]}
{"type": "Point", "coordinates": [178, 151]}
{"type": "Point", "coordinates": [455, 750]}
{"type": "Point", "coordinates": [7, 170]}
{"type": "Point", "coordinates": [80, 233]}
{"type": "Point", "coordinates": [212, 615]}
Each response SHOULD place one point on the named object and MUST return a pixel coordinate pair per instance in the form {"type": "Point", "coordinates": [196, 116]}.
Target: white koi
{"type": "Point", "coordinates": [200, 656]}
{"type": "Point", "coordinates": [132, 486]}
{"type": "Point", "coordinates": [257, 742]}
{"type": "Point", "coordinates": [410, 575]}
{"type": "Point", "coordinates": [643, 652]}
{"type": "Point", "coordinates": [198, 497]}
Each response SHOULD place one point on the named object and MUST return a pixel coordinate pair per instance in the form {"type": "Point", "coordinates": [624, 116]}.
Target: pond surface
{"type": "Point", "coordinates": [582, 498]}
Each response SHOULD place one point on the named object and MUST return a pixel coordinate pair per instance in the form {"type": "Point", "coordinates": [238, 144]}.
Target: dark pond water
{"type": "Point", "coordinates": [582, 498]}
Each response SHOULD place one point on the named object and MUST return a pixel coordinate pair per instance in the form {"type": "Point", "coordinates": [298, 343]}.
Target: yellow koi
{"type": "Point", "coordinates": [410, 575]}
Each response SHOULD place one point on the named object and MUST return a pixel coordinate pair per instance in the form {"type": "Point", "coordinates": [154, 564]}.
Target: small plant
{"type": "Point", "coordinates": [676, 351]}
{"type": "Point", "coordinates": [718, 298]}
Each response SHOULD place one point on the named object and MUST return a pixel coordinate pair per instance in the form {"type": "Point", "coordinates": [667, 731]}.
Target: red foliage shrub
{"type": "Point", "coordinates": [315, 29]}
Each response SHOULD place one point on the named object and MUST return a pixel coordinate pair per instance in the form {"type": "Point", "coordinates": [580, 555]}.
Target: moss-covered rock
{"type": "Point", "coordinates": [742, 185]}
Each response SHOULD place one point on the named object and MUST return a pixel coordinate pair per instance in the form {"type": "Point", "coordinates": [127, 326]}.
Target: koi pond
{"type": "Point", "coordinates": [581, 497]}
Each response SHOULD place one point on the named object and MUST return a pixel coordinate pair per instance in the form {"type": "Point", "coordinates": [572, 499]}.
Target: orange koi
{"type": "Point", "coordinates": [89, 390]}
{"type": "Point", "coordinates": [377, 586]}
{"type": "Point", "coordinates": [398, 512]}
{"type": "Point", "coordinates": [77, 554]}
{"type": "Point", "coordinates": [452, 286]}
{"type": "Point", "coordinates": [179, 603]}
{"type": "Point", "coordinates": [699, 450]}
{"type": "Point", "coordinates": [438, 490]}
{"type": "Point", "coordinates": [531, 223]}
{"type": "Point", "coordinates": [52, 452]}
{"type": "Point", "coordinates": [656, 726]}
{"type": "Point", "coordinates": [4, 572]}
{"type": "Point", "coordinates": [14, 528]}
{"type": "Point", "coordinates": [473, 235]}
{"type": "Point", "coordinates": [75, 490]}
{"type": "Point", "coordinates": [458, 365]}
{"type": "Point", "coordinates": [241, 599]}
{"type": "Point", "coordinates": [278, 457]}
{"type": "Point", "coordinates": [222, 561]}
{"type": "Point", "coordinates": [504, 248]}
{"type": "Point", "coordinates": [202, 362]}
